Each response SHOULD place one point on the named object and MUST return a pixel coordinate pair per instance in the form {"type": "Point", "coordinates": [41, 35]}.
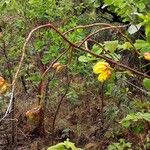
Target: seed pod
{"type": "Point", "coordinates": [55, 65]}
{"type": "Point", "coordinates": [59, 67]}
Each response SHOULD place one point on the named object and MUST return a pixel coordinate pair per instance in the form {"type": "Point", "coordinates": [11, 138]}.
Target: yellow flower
{"type": "Point", "coordinates": [147, 55]}
{"type": "Point", "coordinates": [103, 69]}
{"type": "Point", "coordinates": [104, 75]}
{"type": "Point", "coordinates": [3, 86]}
{"type": "Point", "coordinates": [100, 67]}
{"type": "Point", "coordinates": [2, 81]}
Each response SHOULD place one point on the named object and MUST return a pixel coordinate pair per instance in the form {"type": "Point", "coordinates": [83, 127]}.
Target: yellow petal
{"type": "Point", "coordinates": [104, 75]}
{"type": "Point", "coordinates": [3, 89]}
{"type": "Point", "coordinates": [147, 55]}
{"type": "Point", "coordinates": [2, 81]}
{"type": "Point", "coordinates": [100, 67]}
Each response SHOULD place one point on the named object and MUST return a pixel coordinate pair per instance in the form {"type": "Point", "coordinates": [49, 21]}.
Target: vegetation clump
{"type": "Point", "coordinates": [50, 52]}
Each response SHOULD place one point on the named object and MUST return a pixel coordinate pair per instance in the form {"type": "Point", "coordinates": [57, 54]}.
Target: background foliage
{"type": "Point", "coordinates": [117, 111]}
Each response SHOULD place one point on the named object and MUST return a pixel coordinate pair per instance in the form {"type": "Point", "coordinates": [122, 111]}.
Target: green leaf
{"type": "Point", "coordinates": [84, 58]}
{"type": "Point", "coordinates": [140, 15]}
{"type": "Point", "coordinates": [59, 146]}
{"type": "Point", "coordinates": [91, 1]}
{"type": "Point", "coordinates": [125, 46]}
{"type": "Point", "coordinates": [108, 2]}
{"type": "Point", "coordinates": [146, 116]}
{"type": "Point", "coordinates": [126, 122]}
{"type": "Point", "coordinates": [111, 45]}
{"type": "Point", "coordinates": [96, 49]}
{"type": "Point", "coordinates": [147, 32]}
{"type": "Point", "coordinates": [92, 15]}
{"type": "Point", "coordinates": [97, 3]}
{"type": "Point", "coordinates": [34, 78]}
{"type": "Point", "coordinates": [67, 145]}
{"type": "Point", "coordinates": [138, 128]}
{"type": "Point", "coordinates": [142, 45]}
{"type": "Point", "coordinates": [70, 145]}
{"type": "Point", "coordinates": [141, 6]}
{"type": "Point", "coordinates": [146, 83]}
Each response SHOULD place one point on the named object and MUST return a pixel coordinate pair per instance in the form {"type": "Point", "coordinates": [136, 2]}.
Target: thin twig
{"type": "Point", "coordinates": [140, 89]}
{"type": "Point", "coordinates": [93, 25]}
{"type": "Point", "coordinates": [93, 33]}
{"type": "Point", "coordinates": [7, 60]}
{"type": "Point", "coordinates": [123, 35]}
{"type": "Point", "coordinates": [50, 66]}
{"type": "Point", "coordinates": [59, 104]}
{"type": "Point", "coordinates": [10, 104]}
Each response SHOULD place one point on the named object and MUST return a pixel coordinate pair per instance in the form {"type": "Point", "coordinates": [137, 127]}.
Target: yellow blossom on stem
{"type": "Point", "coordinates": [4, 89]}
{"type": "Point", "coordinates": [100, 67]}
{"type": "Point", "coordinates": [104, 75]}
{"type": "Point", "coordinates": [103, 69]}
{"type": "Point", "coordinates": [147, 55]}
{"type": "Point", "coordinates": [2, 81]}
{"type": "Point", "coordinates": [3, 86]}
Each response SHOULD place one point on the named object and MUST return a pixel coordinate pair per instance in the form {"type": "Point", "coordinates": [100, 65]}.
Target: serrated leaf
{"type": "Point", "coordinates": [84, 58]}
{"type": "Point", "coordinates": [135, 117]}
{"type": "Point", "coordinates": [146, 83]}
{"type": "Point", "coordinates": [96, 49]}
{"type": "Point", "coordinates": [125, 46]}
{"type": "Point", "coordinates": [111, 45]}
{"type": "Point", "coordinates": [59, 146]}
{"type": "Point", "coordinates": [70, 145]}
{"type": "Point", "coordinates": [142, 45]}
{"type": "Point", "coordinates": [145, 116]}
{"type": "Point", "coordinates": [64, 146]}
{"type": "Point", "coordinates": [125, 123]}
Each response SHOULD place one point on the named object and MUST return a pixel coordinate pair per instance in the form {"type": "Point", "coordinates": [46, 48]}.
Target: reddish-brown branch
{"type": "Point", "coordinates": [134, 48]}
{"type": "Point", "coordinates": [72, 45]}
{"type": "Point", "coordinates": [90, 35]}
{"type": "Point", "coordinates": [92, 25]}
